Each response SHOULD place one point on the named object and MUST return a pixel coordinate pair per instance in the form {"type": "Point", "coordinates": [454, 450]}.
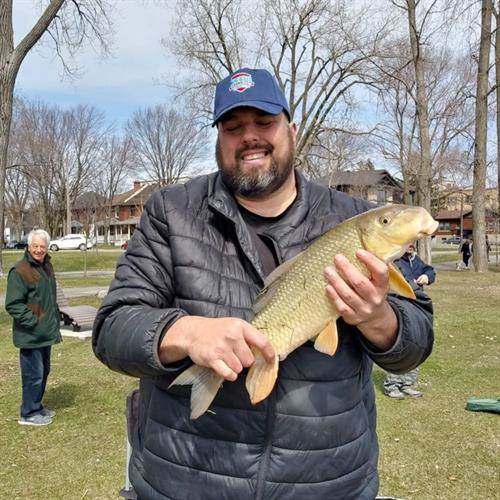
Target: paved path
{"type": "Point", "coordinates": [72, 292]}
{"type": "Point", "coordinates": [79, 274]}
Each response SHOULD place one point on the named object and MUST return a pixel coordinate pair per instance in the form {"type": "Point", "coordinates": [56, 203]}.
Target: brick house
{"type": "Point", "coordinates": [126, 210]}
{"type": "Point", "coordinates": [449, 223]}
{"type": "Point", "coordinates": [377, 186]}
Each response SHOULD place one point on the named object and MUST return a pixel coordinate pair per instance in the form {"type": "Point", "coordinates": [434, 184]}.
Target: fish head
{"type": "Point", "coordinates": [387, 230]}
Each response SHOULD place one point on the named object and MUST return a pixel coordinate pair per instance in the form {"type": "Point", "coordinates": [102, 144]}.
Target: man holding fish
{"type": "Point", "coordinates": [264, 395]}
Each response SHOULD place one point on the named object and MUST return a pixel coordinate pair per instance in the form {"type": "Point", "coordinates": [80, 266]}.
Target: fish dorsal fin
{"type": "Point", "coordinates": [271, 284]}
{"type": "Point", "coordinates": [327, 340]}
{"type": "Point", "coordinates": [398, 283]}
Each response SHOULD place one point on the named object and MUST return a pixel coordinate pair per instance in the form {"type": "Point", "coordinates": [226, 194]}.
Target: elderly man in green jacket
{"type": "Point", "coordinates": [31, 301]}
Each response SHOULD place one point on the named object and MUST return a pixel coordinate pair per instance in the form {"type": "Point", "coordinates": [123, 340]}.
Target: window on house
{"type": "Point", "coordinates": [381, 195]}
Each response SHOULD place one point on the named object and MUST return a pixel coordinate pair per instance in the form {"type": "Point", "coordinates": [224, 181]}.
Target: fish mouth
{"type": "Point", "coordinates": [429, 228]}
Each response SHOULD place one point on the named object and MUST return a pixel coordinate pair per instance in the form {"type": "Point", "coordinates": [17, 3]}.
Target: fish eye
{"type": "Point", "coordinates": [384, 220]}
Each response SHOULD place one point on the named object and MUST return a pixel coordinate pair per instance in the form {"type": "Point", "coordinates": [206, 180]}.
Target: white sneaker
{"type": "Point", "coordinates": [37, 419]}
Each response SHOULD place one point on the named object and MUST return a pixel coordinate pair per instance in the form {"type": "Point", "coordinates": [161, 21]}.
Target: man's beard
{"type": "Point", "coordinates": [259, 183]}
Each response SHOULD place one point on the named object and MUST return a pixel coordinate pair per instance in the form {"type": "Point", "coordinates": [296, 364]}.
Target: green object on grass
{"type": "Point", "coordinates": [489, 405]}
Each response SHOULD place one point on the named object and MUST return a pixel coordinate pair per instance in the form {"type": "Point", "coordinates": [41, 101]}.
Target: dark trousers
{"type": "Point", "coordinates": [35, 368]}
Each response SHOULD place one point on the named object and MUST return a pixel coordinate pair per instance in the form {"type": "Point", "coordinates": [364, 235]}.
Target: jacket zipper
{"type": "Point", "coordinates": [264, 461]}
{"type": "Point", "coordinates": [270, 415]}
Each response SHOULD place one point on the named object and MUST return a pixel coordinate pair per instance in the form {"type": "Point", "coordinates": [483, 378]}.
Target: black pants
{"type": "Point", "coordinates": [466, 258]}
{"type": "Point", "coordinates": [35, 368]}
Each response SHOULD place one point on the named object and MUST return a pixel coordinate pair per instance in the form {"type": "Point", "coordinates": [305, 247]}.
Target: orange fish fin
{"type": "Point", "coordinates": [327, 340]}
{"type": "Point", "coordinates": [261, 378]}
{"type": "Point", "coordinates": [398, 283]}
{"type": "Point", "coordinates": [205, 385]}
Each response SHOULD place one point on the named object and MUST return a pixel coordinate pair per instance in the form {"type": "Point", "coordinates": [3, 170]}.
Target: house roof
{"type": "Point", "coordinates": [455, 214]}
{"type": "Point", "coordinates": [360, 178]}
{"type": "Point", "coordinates": [136, 196]}
{"type": "Point", "coordinates": [450, 214]}
{"type": "Point", "coordinates": [90, 199]}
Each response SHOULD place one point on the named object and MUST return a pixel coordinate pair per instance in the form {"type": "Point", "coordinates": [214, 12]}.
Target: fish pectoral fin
{"type": "Point", "coordinates": [205, 385]}
{"type": "Point", "coordinates": [261, 378]}
{"type": "Point", "coordinates": [328, 339]}
{"type": "Point", "coordinates": [398, 283]}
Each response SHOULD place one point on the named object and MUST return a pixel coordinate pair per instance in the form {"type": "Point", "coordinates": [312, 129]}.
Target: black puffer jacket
{"type": "Point", "coordinates": [314, 437]}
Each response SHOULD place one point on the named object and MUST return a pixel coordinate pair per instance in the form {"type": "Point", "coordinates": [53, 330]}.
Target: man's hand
{"type": "Point", "coordinates": [222, 344]}
{"type": "Point", "coordinates": [361, 300]}
{"type": "Point", "coordinates": [423, 279]}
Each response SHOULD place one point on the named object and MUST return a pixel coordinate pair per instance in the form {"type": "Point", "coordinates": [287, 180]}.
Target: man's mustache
{"type": "Point", "coordinates": [266, 147]}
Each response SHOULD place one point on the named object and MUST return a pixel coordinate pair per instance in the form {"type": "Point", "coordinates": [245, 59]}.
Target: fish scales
{"type": "Point", "coordinates": [300, 308]}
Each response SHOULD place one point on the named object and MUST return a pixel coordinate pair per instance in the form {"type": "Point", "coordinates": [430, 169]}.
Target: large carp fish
{"type": "Point", "coordinates": [293, 306]}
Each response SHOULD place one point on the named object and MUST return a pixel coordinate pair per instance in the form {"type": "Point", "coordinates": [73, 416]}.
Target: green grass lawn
{"type": "Point", "coordinates": [70, 260]}
{"type": "Point", "coordinates": [430, 448]}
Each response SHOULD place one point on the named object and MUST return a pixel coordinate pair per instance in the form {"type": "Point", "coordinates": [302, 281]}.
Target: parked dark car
{"type": "Point", "coordinates": [454, 240]}
{"type": "Point", "coordinates": [21, 245]}
{"type": "Point", "coordinates": [124, 245]}
{"type": "Point", "coordinates": [15, 244]}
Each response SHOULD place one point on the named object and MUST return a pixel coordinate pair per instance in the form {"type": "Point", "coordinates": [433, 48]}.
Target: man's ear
{"type": "Point", "coordinates": [293, 129]}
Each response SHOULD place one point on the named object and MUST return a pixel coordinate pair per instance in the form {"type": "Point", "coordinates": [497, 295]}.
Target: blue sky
{"type": "Point", "coordinates": [117, 85]}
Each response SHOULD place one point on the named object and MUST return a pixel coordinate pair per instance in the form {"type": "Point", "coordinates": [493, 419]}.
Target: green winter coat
{"type": "Point", "coordinates": [31, 301]}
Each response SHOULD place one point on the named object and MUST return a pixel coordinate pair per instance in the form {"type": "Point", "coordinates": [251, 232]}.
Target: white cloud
{"type": "Point", "coordinates": [117, 84]}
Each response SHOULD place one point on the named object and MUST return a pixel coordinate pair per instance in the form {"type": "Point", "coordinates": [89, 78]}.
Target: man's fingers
{"type": "Point", "coordinates": [223, 370]}
{"type": "Point", "coordinates": [244, 353]}
{"type": "Point", "coordinates": [378, 268]}
{"type": "Point", "coordinates": [353, 279]}
{"type": "Point", "coordinates": [347, 294]}
{"type": "Point", "coordinates": [257, 339]}
{"type": "Point", "coordinates": [340, 306]}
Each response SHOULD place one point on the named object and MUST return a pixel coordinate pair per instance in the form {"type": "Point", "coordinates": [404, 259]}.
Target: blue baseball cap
{"type": "Point", "coordinates": [255, 88]}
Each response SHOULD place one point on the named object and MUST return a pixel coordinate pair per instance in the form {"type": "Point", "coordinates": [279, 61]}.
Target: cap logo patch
{"type": "Point", "coordinates": [240, 82]}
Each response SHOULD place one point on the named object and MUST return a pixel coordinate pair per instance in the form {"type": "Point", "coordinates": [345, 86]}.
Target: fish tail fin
{"type": "Point", "coordinates": [205, 385]}
{"type": "Point", "coordinates": [261, 377]}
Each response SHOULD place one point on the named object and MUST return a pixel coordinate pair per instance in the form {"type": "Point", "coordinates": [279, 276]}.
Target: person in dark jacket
{"type": "Point", "coordinates": [418, 274]}
{"type": "Point", "coordinates": [31, 301]}
{"type": "Point", "coordinates": [466, 251]}
{"type": "Point", "coordinates": [183, 294]}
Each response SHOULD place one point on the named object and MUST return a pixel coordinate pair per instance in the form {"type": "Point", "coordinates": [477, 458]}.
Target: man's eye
{"type": "Point", "coordinates": [230, 127]}
{"type": "Point", "coordinates": [266, 123]}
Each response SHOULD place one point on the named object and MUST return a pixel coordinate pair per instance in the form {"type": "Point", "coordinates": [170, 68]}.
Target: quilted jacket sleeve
{"type": "Point", "coordinates": [415, 335]}
{"type": "Point", "coordinates": [139, 305]}
{"type": "Point", "coordinates": [15, 301]}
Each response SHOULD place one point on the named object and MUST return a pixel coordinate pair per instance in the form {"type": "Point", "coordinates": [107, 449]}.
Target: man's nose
{"type": "Point", "coordinates": [249, 135]}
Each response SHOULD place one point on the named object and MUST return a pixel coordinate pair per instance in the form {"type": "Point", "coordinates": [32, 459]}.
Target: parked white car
{"type": "Point", "coordinates": [70, 242]}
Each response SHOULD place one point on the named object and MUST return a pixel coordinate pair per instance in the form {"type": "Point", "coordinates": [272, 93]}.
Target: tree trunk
{"type": "Point", "coordinates": [497, 81]}
{"type": "Point", "coordinates": [481, 136]}
{"type": "Point", "coordinates": [7, 76]}
{"type": "Point", "coordinates": [424, 179]}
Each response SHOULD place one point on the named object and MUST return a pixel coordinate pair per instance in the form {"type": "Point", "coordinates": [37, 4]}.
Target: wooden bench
{"type": "Point", "coordinates": [76, 316]}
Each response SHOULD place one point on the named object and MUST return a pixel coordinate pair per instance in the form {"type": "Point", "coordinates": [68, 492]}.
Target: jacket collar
{"type": "Point", "coordinates": [224, 203]}
{"type": "Point", "coordinates": [221, 200]}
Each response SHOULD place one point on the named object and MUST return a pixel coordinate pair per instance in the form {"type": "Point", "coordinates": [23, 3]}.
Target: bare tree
{"type": "Point", "coordinates": [480, 140]}
{"type": "Point", "coordinates": [317, 49]}
{"type": "Point", "coordinates": [56, 150]}
{"type": "Point", "coordinates": [117, 160]}
{"type": "Point", "coordinates": [68, 24]}
{"type": "Point", "coordinates": [168, 144]}
{"type": "Point", "coordinates": [337, 151]}
{"type": "Point", "coordinates": [496, 12]}
{"type": "Point", "coordinates": [86, 136]}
